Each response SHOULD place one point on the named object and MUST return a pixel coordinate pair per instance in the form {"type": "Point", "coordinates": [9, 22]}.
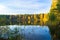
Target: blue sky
{"type": "Point", "coordinates": [24, 6]}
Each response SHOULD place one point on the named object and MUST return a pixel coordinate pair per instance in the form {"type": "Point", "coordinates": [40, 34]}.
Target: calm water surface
{"type": "Point", "coordinates": [33, 32]}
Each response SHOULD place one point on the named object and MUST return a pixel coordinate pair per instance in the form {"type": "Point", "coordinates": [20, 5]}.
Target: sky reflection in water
{"type": "Point", "coordinates": [32, 32]}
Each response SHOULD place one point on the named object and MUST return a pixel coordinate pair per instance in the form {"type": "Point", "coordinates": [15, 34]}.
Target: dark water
{"type": "Point", "coordinates": [34, 32]}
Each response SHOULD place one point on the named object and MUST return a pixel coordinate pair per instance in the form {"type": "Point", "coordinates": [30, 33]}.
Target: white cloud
{"type": "Point", "coordinates": [2, 8]}
{"type": "Point", "coordinates": [24, 7]}
{"type": "Point", "coordinates": [5, 11]}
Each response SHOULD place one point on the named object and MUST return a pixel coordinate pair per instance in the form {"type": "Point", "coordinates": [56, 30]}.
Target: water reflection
{"type": "Point", "coordinates": [30, 32]}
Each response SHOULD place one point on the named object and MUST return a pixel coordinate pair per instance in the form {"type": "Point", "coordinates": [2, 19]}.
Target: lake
{"type": "Point", "coordinates": [33, 32]}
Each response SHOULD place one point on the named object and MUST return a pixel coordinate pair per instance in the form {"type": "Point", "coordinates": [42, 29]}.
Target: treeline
{"type": "Point", "coordinates": [21, 19]}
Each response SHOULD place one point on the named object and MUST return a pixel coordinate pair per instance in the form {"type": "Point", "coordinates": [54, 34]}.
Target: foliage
{"type": "Point", "coordinates": [52, 17]}
{"type": "Point", "coordinates": [54, 22]}
{"type": "Point", "coordinates": [58, 5]}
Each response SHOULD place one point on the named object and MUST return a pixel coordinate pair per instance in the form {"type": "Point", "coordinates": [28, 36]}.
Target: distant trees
{"type": "Point", "coordinates": [21, 19]}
